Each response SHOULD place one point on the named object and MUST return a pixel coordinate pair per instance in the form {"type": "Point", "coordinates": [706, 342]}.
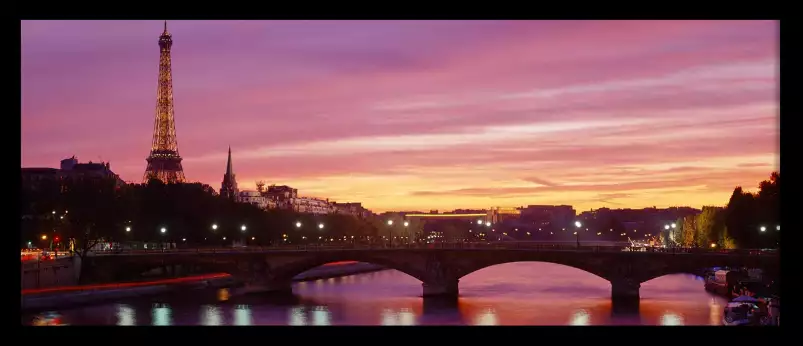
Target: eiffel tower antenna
{"type": "Point", "coordinates": [164, 162]}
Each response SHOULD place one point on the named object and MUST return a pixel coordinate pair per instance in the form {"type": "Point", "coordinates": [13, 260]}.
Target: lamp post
{"type": "Point", "coordinates": [390, 234]}
{"type": "Point", "coordinates": [577, 234]}
{"type": "Point", "coordinates": [163, 230]}
{"type": "Point", "coordinates": [406, 232]}
{"type": "Point", "coordinates": [242, 230]}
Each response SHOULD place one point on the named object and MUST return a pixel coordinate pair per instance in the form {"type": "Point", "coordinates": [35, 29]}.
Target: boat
{"type": "Point", "coordinates": [720, 282]}
{"type": "Point", "coordinates": [741, 311]}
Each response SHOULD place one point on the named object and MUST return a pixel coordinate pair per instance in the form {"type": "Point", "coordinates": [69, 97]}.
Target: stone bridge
{"type": "Point", "coordinates": [439, 270]}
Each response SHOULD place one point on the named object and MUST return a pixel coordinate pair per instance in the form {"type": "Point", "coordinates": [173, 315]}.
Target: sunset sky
{"type": "Point", "coordinates": [420, 115]}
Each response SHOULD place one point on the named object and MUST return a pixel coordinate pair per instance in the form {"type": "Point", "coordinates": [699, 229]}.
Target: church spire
{"type": "Point", "coordinates": [229, 171]}
{"type": "Point", "coordinates": [229, 187]}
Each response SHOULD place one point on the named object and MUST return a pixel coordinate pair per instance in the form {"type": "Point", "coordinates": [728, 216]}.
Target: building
{"type": "Point", "coordinates": [228, 188]}
{"type": "Point", "coordinates": [311, 205]}
{"type": "Point", "coordinates": [354, 209]}
{"type": "Point", "coordinates": [501, 214]}
{"type": "Point", "coordinates": [70, 168]}
{"type": "Point", "coordinates": [257, 199]}
{"type": "Point", "coordinates": [555, 216]}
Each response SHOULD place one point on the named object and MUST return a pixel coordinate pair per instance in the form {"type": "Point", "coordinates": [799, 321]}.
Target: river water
{"type": "Point", "coordinates": [507, 294]}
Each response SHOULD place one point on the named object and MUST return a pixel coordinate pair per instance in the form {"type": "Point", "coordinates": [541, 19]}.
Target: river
{"type": "Point", "coordinates": [507, 294]}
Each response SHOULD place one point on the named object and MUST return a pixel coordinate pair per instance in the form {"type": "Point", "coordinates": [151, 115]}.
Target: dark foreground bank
{"type": "Point", "coordinates": [64, 297]}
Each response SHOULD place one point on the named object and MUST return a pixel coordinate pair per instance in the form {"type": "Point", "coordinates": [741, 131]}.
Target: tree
{"type": "Point", "coordinates": [688, 231]}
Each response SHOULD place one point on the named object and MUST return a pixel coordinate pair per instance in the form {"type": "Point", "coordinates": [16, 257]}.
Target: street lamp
{"type": "Point", "coordinates": [320, 225]}
{"type": "Point", "coordinates": [406, 224]}
{"type": "Point", "coordinates": [298, 224]}
{"type": "Point", "coordinates": [214, 226]}
{"type": "Point", "coordinates": [666, 226]}
{"type": "Point", "coordinates": [479, 222]}
{"type": "Point", "coordinates": [778, 228]}
{"type": "Point", "coordinates": [128, 229]}
{"type": "Point", "coordinates": [164, 230]}
{"type": "Point", "coordinates": [390, 222]}
{"type": "Point", "coordinates": [577, 234]}
{"type": "Point", "coordinates": [44, 237]}
{"type": "Point", "coordinates": [763, 229]}
{"type": "Point", "coordinates": [242, 228]}
{"type": "Point", "coordinates": [488, 224]}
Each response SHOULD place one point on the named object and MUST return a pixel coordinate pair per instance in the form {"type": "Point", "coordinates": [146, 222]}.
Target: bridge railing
{"type": "Point", "coordinates": [436, 246]}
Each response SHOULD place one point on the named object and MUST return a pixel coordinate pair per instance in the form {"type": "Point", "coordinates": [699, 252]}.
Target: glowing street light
{"type": "Point", "coordinates": [674, 225]}
{"type": "Point", "coordinates": [163, 230]}
{"type": "Point", "coordinates": [479, 222]}
{"type": "Point", "coordinates": [778, 228]}
{"type": "Point", "coordinates": [488, 224]}
{"type": "Point", "coordinates": [298, 224]}
{"type": "Point", "coordinates": [578, 224]}
{"type": "Point", "coordinates": [713, 245]}
{"type": "Point", "coordinates": [214, 226]}
{"type": "Point", "coordinates": [128, 229]}
{"type": "Point", "coordinates": [390, 222]}
{"type": "Point", "coordinates": [224, 238]}
{"type": "Point", "coordinates": [253, 238]}
{"type": "Point", "coordinates": [54, 212]}
{"type": "Point", "coordinates": [44, 237]}
{"type": "Point", "coordinates": [406, 224]}
{"type": "Point", "coordinates": [763, 229]}
{"type": "Point", "coordinates": [666, 226]}
{"type": "Point", "coordinates": [320, 225]}
{"type": "Point", "coordinates": [243, 228]}
{"type": "Point", "coordinates": [183, 239]}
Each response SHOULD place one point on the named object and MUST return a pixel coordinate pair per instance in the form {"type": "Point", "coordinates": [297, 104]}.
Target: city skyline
{"type": "Point", "coordinates": [403, 115]}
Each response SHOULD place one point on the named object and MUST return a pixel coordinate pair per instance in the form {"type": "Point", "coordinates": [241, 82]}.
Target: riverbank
{"type": "Point", "coordinates": [61, 297]}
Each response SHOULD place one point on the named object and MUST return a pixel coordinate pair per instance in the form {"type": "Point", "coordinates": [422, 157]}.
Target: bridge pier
{"type": "Point", "coordinates": [445, 288]}
{"type": "Point", "coordinates": [625, 292]}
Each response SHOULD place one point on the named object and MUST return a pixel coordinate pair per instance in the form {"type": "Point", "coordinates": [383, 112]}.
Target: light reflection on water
{"type": "Point", "coordinates": [161, 315]}
{"type": "Point", "coordinates": [212, 315]}
{"type": "Point", "coordinates": [126, 315]}
{"type": "Point", "coordinates": [511, 294]}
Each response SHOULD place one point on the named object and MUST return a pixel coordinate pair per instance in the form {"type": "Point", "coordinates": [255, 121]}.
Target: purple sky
{"type": "Point", "coordinates": [421, 114]}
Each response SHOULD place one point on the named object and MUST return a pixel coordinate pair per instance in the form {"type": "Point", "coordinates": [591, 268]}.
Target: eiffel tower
{"type": "Point", "coordinates": [164, 162]}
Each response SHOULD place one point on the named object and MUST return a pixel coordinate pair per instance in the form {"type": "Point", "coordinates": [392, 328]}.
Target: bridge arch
{"type": "Point", "coordinates": [602, 267]}
{"type": "Point", "coordinates": [287, 271]}
{"type": "Point", "coordinates": [558, 264]}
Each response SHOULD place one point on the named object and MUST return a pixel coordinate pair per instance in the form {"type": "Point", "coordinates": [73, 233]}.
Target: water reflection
{"type": "Point", "coordinates": [716, 310]}
{"type": "Point", "coordinates": [126, 316]}
{"type": "Point", "coordinates": [514, 294]}
{"type": "Point", "coordinates": [403, 317]}
{"type": "Point", "coordinates": [298, 316]}
{"type": "Point", "coordinates": [671, 319]}
{"type": "Point", "coordinates": [321, 316]}
{"type": "Point", "coordinates": [242, 315]}
{"type": "Point", "coordinates": [211, 315]}
{"type": "Point", "coordinates": [161, 315]}
{"type": "Point", "coordinates": [580, 318]}
{"type": "Point", "coordinates": [486, 318]}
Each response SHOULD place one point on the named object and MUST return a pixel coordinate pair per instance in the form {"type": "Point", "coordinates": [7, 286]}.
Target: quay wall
{"type": "Point", "coordinates": [65, 296]}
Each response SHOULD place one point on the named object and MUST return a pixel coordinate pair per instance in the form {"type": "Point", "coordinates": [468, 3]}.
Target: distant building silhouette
{"type": "Point", "coordinates": [70, 168]}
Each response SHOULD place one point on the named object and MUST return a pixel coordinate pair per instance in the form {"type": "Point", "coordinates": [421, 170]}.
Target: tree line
{"type": "Point", "coordinates": [92, 209]}
{"type": "Point", "coordinates": [750, 220]}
